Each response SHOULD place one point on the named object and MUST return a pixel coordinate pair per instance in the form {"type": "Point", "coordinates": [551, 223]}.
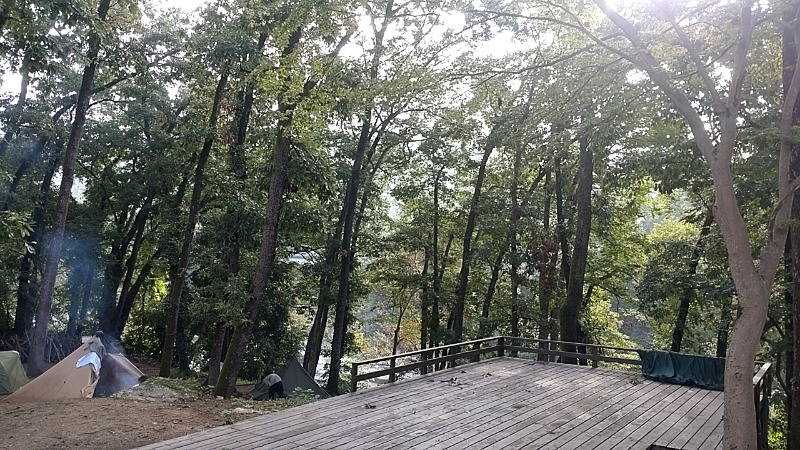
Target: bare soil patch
{"type": "Point", "coordinates": [157, 410]}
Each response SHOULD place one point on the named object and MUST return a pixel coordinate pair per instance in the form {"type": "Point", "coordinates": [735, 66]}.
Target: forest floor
{"type": "Point", "coordinates": [157, 410]}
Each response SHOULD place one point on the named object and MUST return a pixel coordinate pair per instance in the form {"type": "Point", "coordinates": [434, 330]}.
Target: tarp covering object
{"type": "Point", "coordinates": [705, 372]}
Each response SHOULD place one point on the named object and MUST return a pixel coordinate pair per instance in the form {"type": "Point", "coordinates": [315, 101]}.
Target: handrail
{"type": "Point", "coordinates": [425, 350]}
{"type": "Point", "coordinates": [762, 389]}
{"type": "Point", "coordinates": [452, 352]}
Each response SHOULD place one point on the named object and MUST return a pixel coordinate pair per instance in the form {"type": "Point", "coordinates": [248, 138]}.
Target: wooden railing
{"type": "Point", "coordinates": [762, 389]}
{"type": "Point", "coordinates": [437, 358]}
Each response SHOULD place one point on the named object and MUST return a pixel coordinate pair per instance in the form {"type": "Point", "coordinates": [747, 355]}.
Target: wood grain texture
{"type": "Point", "coordinates": [500, 403]}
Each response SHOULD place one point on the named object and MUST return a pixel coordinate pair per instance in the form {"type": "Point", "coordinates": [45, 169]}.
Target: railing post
{"type": "Point", "coordinates": [424, 368]}
{"type": "Point", "coordinates": [353, 376]}
{"type": "Point", "coordinates": [392, 365]}
{"type": "Point", "coordinates": [501, 346]}
{"type": "Point", "coordinates": [594, 359]}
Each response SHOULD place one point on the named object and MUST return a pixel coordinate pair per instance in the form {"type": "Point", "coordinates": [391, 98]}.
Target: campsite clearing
{"type": "Point", "coordinates": [119, 423]}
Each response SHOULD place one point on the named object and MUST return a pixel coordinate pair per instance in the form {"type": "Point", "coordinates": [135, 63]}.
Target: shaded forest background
{"type": "Point", "coordinates": [340, 179]}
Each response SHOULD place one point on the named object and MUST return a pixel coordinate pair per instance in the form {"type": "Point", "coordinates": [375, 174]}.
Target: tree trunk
{"type": "Point", "coordinates": [492, 141]}
{"type": "Point", "coordinates": [570, 311]}
{"type": "Point", "coordinates": [425, 306]}
{"type": "Point", "coordinates": [215, 355]}
{"type": "Point", "coordinates": [27, 288]}
{"type": "Point", "coordinates": [351, 196]}
{"type": "Point", "coordinates": [514, 216]}
{"type": "Point", "coordinates": [324, 301]}
{"type": "Point", "coordinates": [484, 330]}
{"type": "Point", "coordinates": [36, 362]}
{"type": "Point", "coordinates": [131, 295]}
{"type": "Point", "coordinates": [226, 383]}
{"type": "Point", "coordinates": [561, 223]}
{"type": "Point", "coordinates": [546, 262]}
{"type": "Point", "coordinates": [688, 290]}
{"type": "Point", "coordinates": [130, 266]}
{"type": "Point", "coordinates": [725, 319]}
{"type": "Point", "coordinates": [179, 282]}
{"type": "Point", "coordinates": [790, 60]}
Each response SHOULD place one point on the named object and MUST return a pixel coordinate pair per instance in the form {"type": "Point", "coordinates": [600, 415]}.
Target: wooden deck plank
{"type": "Point", "coordinates": [663, 420]}
{"type": "Point", "coordinates": [687, 418]}
{"type": "Point", "coordinates": [597, 418]}
{"type": "Point", "coordinates": [554, 416]}
{"type": "Point", "coordinates": [505, 414]}
{"type": "Point", "coordinates": [709, 435]}
{"type": "Point", "coordinates": [632, 420]}
{"type": "Point", "coordinates": [696, 425]}
{"type": "Point", "coordinates": [616, 414]}
{"type": "Point", "coordinates": [414, 414]}
{"type": "Point", "coordinates": [522, 404]}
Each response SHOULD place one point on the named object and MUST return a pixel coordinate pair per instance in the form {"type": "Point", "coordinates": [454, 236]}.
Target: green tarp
{"type": "Point", "coordinates": [12, 374]}
{"type": "Point", "coordinates": [691, 370]}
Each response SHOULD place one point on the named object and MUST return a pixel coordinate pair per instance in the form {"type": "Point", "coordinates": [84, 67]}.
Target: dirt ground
{"type": "Point", "coordinates": [157, 410]}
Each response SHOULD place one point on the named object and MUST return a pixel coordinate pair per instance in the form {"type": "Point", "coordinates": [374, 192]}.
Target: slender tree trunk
{"type": "Point", "coordinates": [547, 264]}
{"type": "Point", "coordinates": [561, 223]}
{"type": "Point", "coordinates": [688, 290]}
{"type": "Point", "coordinates": [492, 141]}
{"type": "Point", "coordinates": [179, 282]}
{"type": "Point", "coordinates": [515, 215]}
{"type": "Point", "coordinates": [215, 355]}
{"type": "Point", "coordinates": [127, 296]}
{"type": "Point", "coordinates": [226, 383]}
{"type": "Point", "coordinates": [351, 196]}
{"type": "Point", "coordinates": [425, 305]}
{"type": "Point", "coordinates": [36, 362]}
{"type": "Point", "coordinates": [266, 258]}
{"type": "Point", "coordinates": [324, 301]}
{"type": "Point", "coordinates": [790, 60]}
{"type": "Point", "coordinates": [485, 330]}
{"type": "Point", "coordinates": [437, 270]}
{"type": "Point", "coordinates": [570, 311]}
{"type": "Point", "coordinates": [131, 295]}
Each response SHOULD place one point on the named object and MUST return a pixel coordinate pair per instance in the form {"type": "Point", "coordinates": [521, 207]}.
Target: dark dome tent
{"type": "Point", "coordinates": [293, 376]}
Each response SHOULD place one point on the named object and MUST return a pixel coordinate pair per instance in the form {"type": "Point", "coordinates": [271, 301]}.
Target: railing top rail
{"type": "Point", "coordinates": [574, 343]}
{"type": "Point", "coordinates": [432, 349]}
{"type": "Point", "coordinates": [762, 372]}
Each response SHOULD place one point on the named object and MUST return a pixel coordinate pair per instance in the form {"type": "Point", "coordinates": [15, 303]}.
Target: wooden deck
{"type": "Point", "coordinates": [501, 403]}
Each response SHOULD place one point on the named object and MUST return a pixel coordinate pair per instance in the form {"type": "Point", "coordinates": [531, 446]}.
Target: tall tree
{"type": "Point", "coordinates": [36, 364]}
{"type": "Point", "coordinates": [753, 283]}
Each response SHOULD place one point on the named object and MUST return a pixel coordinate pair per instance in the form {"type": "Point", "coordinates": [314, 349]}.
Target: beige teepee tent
{"type": "Point", "coordinates": [66, 380]}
